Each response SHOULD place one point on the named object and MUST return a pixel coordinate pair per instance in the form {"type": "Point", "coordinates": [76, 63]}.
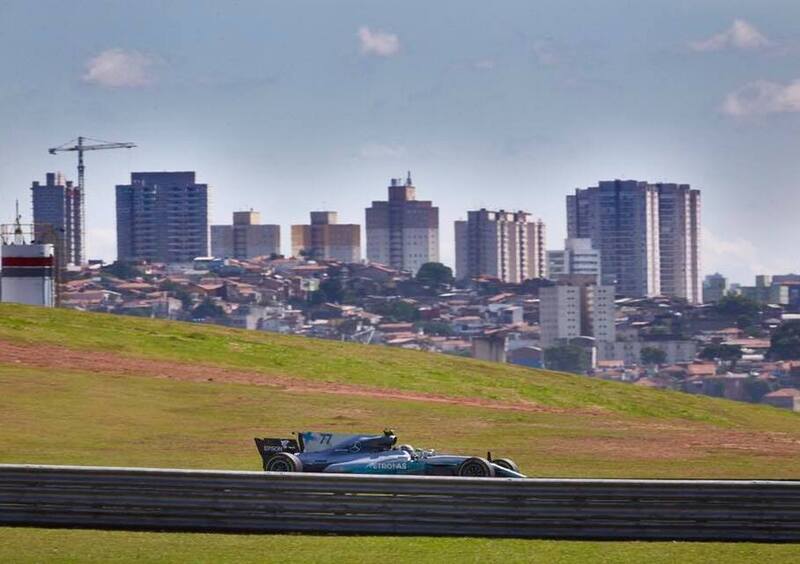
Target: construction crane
{"type": "Point", "coordinates": [81, 146]}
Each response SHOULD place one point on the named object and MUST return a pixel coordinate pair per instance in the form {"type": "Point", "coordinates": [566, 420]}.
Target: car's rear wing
{"type": "Point", "coordinates": [268, 447]}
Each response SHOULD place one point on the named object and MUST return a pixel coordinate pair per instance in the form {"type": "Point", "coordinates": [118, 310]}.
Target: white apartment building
{"type": "Point", "coordinates": [679, 241]}
{"type": "Point", "coordinates": [578, 257]}
{"type": "Point", "coordinates": [576, 307]}
{"type": "Point", "coordinates": [559, 314]}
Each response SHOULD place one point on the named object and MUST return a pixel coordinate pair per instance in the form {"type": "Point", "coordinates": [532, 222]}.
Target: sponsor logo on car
{"type": "Point", "coordinates": [389, 465]}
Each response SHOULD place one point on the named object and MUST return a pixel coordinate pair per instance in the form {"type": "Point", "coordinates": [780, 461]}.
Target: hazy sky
{"type": "Point", "coordinates": [288, 107]}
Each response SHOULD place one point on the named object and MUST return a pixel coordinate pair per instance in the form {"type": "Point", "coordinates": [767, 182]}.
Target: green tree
{"type": "Point", "coordinates": [208, 310]}
{"type": "Point", "coordinates": [331, 289]}
{"type": "Point", "coordinates": [785, 342]}
{"type": "Point", "coordinates": [440, 328]}
{"type": "Point", "coordinates": [726, 353]}
{"type": "Point", "coordinates": [734, 305]}
{"type": "Point", "coordinates": [397, 311]}
{"type": "Point", "coordinates": [653, 355]}
{"type": "Point", "coordinates": [122, 270]}
{"type": "Point", "coordinates": [177, 291]}
{"type": "Point", "coordinates": [756, 389]}
{"type": "Point", "coordinates": [435, 274]}
{"type": "Point", "coordinates": [568, 358]}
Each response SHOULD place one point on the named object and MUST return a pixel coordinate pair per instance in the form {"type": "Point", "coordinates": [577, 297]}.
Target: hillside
{"type": "Point", "coordinates": [123, 390]}
{"type": "Point", "coordinates": [81, 388]}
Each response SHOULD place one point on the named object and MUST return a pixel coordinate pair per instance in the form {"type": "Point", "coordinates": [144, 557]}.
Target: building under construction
{"type": "Point", "coordinates": [58, 218]}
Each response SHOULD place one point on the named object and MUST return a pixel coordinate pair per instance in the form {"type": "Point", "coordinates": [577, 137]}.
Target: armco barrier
{"type": "Point", "coordinates": [208, 500]}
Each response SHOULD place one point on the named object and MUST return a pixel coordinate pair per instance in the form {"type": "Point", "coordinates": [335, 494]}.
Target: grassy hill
{"type": "Point", "coordinates": [147, 392]}
{"type": "Point", "coordinates": [81, 388]}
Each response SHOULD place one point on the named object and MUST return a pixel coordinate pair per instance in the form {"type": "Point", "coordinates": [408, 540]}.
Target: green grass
{"type": "Point", "coordinates": [383, 367]}
{"type": "Point", "coordinates": [74, 418]}
{"type": "Point", "coordinates": [39, 545]}
{"type": "Point", "coordinates": [69, 416]}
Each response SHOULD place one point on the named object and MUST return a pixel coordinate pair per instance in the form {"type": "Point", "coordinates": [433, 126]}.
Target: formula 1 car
{"type": "Point", "coordinates": [373, 454]}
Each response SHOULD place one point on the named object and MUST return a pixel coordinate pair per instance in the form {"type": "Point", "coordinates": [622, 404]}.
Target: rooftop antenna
{"type": "Point", "coordinates": [18, 238]}
{"type": "Point", "coordinates": [408, 179]}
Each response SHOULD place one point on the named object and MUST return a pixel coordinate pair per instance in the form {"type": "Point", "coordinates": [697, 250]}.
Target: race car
{"type": "Point", "coordinates": [373, 454]}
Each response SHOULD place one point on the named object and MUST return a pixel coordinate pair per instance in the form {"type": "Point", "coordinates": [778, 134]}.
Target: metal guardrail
{"type": "Point", "coordinates": [212, 501]}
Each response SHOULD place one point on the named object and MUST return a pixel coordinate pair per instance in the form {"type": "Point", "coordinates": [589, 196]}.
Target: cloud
{"type": "Point", "coordinates": [723, 252]}
{"type": "Point", "coordinates": [763, 97]}
{"type": "Point", "coordinates": [741, 35]}
{"type": "Point", "coordinates": [117, 68]}
{"type": "Point", "coordinates": [380, 43]}
{"type": "Point", "coordinates": [381, 151]}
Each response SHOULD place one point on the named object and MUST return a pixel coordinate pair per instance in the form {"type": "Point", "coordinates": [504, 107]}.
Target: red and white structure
{"type": "Point", "coordinates": [27, 274]}
{"type": "Point", "coordinates": [27, 270]}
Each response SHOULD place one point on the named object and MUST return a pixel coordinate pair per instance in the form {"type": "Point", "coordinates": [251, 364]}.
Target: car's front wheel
{"type": "Point", "coordinates": [475, 468]}
{"type": "Point", "coordinates": [283, 462]}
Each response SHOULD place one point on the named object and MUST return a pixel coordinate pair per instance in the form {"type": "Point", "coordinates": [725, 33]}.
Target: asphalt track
{"type": "Point", "coordinates": [259, 502]}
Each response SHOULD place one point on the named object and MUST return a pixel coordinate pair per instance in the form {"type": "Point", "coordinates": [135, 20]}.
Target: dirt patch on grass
{"type": "Point", "coordinates": [603, 435]}
{"type": "Point", "coordinates": [678, 444]}
{"type": "Point", "coordinates": [65, 359]}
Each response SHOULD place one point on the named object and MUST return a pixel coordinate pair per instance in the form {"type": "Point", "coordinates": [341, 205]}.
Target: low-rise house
{"type": "Point", "coordinates": [91, 300]}
{"type": "Point", "coordinates": [468, 325]}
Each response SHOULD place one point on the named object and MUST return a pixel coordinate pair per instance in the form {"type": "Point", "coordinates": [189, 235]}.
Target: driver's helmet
{"type": "Point", "coordinates": [408, 448]}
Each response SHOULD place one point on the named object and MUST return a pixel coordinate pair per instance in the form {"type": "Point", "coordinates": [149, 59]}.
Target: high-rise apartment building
{"type": "Point", "coordinates": [679, 241]}
{"type": "Point", "coordinates": [325, 238]}
{"type": "Point", "coordinates": [58, 218]}
{"type": "Point", "coordinates": [715, 286]}
{"type": "Point", "coordinates": [621, 219]}
{"type": "Point", "coordinates": [645, 250]}
{"type": "Point", "coordinates": [575, 307]}
{"type": "Point", "coordinates": [507, 245]}
{"type": "Point", "coordinates": [246, 238]}
{"type": "Point", "coordinates": [162, 217]}
{"type": "Point", "coordinates": [578, 257]}
{"type": "Point", "coordinates": [403, 232]}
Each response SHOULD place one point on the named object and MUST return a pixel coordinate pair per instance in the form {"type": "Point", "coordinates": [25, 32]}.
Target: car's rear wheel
{"type": "Point", "coordinates": [475, 468]}
{"type": "Point", "coordinates": [283, 462]}
{"type": "Point", "coordinates": [506, 463]}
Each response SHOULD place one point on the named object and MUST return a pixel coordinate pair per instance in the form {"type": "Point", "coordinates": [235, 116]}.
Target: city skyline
{"type": "Point", "coordinates": [314, 109]}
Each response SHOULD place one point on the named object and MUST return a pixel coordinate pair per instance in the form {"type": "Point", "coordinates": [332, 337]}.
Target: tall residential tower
{"type": "Point", "coordinates": [679, 241]}
{"type": "Point", "coordinates": [162, 217]}
{"type": "Point", "coordinates": [403, 232]}
{"type": "Point", "coordinates": [58, 218]}
{"type": "Point", "coordinates": [507, 245]}
{"type": "Point", "coordinates": [647, 235]}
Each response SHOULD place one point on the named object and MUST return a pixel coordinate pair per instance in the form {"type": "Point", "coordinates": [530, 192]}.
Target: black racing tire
{"type": "Point", "coordinates": [475, 467]}
{"type": "Point", "coordinates": [506, 463]}
{"type": "Point", "coordinates": [283, 462]}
